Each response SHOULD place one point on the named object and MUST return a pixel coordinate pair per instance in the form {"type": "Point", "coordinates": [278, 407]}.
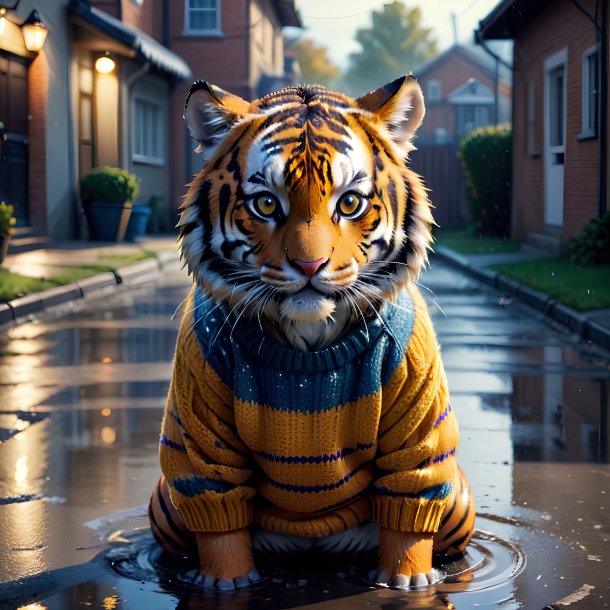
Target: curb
{"type": "Point", "coordinates": [21, 309]}
{"type": "Point", "coordinates": [558, 312]}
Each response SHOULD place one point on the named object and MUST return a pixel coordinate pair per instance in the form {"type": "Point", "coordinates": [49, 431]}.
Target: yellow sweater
{"type": "Point", "coordinates": [308, 443]}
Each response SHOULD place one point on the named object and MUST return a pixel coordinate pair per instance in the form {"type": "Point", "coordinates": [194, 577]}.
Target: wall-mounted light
{"type": "Point", "coordinates": [104, 64]}
{"type": "Point", "coordinates": [34, 32]}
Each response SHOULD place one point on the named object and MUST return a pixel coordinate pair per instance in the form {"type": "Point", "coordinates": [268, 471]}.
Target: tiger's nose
{"type": "Point", "coordinates": [309, 267]}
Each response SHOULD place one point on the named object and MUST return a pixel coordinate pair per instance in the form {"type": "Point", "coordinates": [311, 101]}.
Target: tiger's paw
{"type": "Point", "coordinates": [223, 584]}
{"type": "Point", "coordinates": [381, 578]}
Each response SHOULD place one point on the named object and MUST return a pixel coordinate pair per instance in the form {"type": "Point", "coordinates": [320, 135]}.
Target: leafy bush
{"type": "Point", "coordinates": [592, 246]}
{"type": "Point", "coordinates": [7, 220]}
{"type": "Point", "coordinates": [109, 185]}
{"type": "Point", "coordinates": [486, 158]}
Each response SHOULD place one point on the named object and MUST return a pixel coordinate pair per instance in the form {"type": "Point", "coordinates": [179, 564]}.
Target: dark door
{"type": "Point", "coordinates": [14, 150]}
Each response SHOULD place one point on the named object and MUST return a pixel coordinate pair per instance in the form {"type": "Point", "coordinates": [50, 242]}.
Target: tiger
{"type": "Point", "coordinates": [308, 407]}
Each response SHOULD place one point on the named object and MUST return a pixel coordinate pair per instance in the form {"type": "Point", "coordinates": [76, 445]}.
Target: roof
{"type": "Point", "coordinates": [471, 92]}
{"type": "Point", "coordinates": [473, 54]}
{"type": "Point", "coordinates": [510, 17]}
{"type": "Point", "coordinates": [287, 13]}
{"type": "Point", "coordinates": [142, 46]}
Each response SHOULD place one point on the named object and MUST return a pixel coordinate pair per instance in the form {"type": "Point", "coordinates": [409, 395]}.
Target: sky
{"type": "Point", "coordinates": [333, 23]}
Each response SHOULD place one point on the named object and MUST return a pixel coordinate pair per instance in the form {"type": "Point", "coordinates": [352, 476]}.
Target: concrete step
{"type": "Point", "coordinates": [26, 239]}
{"type": "Point", "coordinates": [542, 242]}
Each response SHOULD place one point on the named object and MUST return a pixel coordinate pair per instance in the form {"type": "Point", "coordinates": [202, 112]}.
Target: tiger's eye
{"type": "Point", "coordinates": [265, 205]}
{"type": "Point", "coordinates": [352, 205]}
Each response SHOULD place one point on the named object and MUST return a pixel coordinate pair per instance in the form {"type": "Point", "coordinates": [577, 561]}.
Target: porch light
{"type": "Point", "coordinates": [104, 64]}
{"type": "Point", "coordinates": [34, 32]}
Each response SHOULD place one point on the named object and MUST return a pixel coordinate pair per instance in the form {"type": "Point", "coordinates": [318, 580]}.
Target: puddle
{"type": "Point", "coordinates": [490, 562]}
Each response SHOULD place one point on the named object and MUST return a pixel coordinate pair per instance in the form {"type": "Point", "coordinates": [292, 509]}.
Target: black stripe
{"type": "Point", "coordinates": [461, 522]}
{"type": "Point", "coordinates": [161, 536]}
{"type": "Point", "coordinates": [174, 527]}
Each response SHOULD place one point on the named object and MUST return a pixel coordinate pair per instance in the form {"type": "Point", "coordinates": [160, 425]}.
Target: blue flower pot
{"type": "Point", "coordinates": [107, 221]}
{"type": "Point", "coordinates": [138, 221]}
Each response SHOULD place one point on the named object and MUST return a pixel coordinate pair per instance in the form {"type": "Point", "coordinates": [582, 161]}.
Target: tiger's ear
{"type": "Point", "coordinates": [210, 112]}
{"type": "Point", "coordinates": [399, 104]}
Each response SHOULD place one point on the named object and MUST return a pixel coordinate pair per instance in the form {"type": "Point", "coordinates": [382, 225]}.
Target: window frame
{"type": "Point", "coordinates": [430, 98]}
{"type": "Point", "coordinates": [587, 132]}
{"type": "Point", "coordinates": [145, 159]}
{"type": "Point", "coordinates": [211, 32]}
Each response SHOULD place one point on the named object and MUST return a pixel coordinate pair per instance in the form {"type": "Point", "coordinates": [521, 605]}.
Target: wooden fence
{"type": "Point", "coordinates": [443, 175]}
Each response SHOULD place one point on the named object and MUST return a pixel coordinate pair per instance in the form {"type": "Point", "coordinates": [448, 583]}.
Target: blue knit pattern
{"type": "Point", "coordinates": [261, 371]}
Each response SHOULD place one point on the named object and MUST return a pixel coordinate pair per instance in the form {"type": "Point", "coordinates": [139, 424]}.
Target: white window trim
{"type": "Point", "coordinates": [586, 132]}
{"type": "Point", "coordinates": [556, 60]}
{"type": "Point", "coordinates": [146, 159]}
{"type": "Point", "coordinates": [212, 32]}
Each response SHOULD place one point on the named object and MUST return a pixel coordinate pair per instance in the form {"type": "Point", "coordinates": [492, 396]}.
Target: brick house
{"type": "Point", "coordinates": [463, 89]}
{"type": "Point", "coordinates": [238, 46]}
{"type": "Point", "coordinates": [560, 114]}
{"type": "Point", "coordinates": [63, 115]}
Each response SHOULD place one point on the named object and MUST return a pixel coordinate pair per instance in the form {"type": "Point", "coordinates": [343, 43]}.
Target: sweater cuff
{"type": "Point", "coordinates": [408, 514]}
{"type": "Point", "coordinates": [215, 515]}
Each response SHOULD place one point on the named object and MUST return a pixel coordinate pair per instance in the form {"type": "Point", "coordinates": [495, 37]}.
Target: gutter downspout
{"type": "Point", "coordinates": [603, 112]}
{"type": "Point", "coordinates": [478, 39]}
{"type": "Point", "coordinates": [165, 33]}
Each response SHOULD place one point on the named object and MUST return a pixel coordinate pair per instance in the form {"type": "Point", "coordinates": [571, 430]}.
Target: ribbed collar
{"type": "Point", "coordinates": [348, 347]}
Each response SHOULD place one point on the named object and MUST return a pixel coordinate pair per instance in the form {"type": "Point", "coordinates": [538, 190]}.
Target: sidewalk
{"type": "Point", "coordinates": [44, 263]}
{"type": "Point", "coordinates": [592, 326]}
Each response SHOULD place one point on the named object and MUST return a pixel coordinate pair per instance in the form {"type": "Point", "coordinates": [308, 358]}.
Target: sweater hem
{"type": "Point", "coordinates": [412, 515]}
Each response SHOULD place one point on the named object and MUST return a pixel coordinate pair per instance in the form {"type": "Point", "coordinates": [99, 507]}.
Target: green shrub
{"type": "Point", "coordinates": [109, 185]}
{"type": "Point", "coordinates": [592, 246]}
{"type": "Point", "coordinates": [486, 158]}
{"type": "Point", "coordinates": [7, 220]}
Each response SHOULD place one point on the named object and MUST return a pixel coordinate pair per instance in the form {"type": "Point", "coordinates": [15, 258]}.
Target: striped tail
{"type": "Point", "coordinates": [457, 523]}
{"type": "Point", "coordinates": [167, 525]}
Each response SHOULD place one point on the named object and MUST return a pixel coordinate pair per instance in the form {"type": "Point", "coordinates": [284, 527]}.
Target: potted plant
{"type": "Point", "coordinates": [107, 194]}
{"type": "Point", "coordinates": [140, 217]}
{"type": "Point", "coordinates": [7, 224]}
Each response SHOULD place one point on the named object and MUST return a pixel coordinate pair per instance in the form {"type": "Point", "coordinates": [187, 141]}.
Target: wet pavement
{"type": "Point", "coordinates": [82, 392]}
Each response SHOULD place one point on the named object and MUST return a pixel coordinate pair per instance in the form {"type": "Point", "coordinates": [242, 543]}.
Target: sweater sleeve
{"type": "Point", "coordinates": [418, 435]}
{"type": "Point", "coordinates": [202, 457]}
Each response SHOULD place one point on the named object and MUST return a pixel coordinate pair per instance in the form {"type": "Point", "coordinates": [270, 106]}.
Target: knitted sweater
{"type": "Point", "coordinates": [308, 443]}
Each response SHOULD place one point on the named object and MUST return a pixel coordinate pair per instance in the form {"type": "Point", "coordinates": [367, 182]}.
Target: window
{"type": "Point", "coordinates": [434, 90]}
{"type": "Point", "coordinates": [590, 93]}
{"type": "Point", "coordinates": [470, 116]}
{"type": "Point", "coordinates": [148, 134]}
{"type": "Point", "coordinates": [202, 17]}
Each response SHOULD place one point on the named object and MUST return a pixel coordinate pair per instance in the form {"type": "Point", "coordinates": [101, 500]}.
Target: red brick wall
{"type": "Point", "coordinates": [561, 25]}
{"type": "Point", "coordinates": [222, 61]}
{"type": "Point", "coordinates": [38, 92]}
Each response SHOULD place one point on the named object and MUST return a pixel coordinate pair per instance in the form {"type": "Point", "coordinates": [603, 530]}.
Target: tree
{"type": "Point", "coordinates": [395, 44]}
{"type": "Point", "coordinates": [316, 67]}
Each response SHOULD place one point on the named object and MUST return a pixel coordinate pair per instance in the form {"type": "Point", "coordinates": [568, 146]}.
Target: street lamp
{"type": "Point", "coordinates": [34, 32]}
{"type": "Point", "coordinates": [104, 64]}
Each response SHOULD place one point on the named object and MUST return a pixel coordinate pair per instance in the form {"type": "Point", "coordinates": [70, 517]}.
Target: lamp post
{"type": "Point", "coordinates": [34, 32]}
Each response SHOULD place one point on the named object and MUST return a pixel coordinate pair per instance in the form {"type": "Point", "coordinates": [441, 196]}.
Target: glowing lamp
{"type": "Point", "coordinates": [34, 32]}
{"type": "Point", "coordinates": [104, 64]}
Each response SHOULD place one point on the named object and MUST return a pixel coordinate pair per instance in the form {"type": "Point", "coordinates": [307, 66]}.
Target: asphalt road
{"type": "Point", "coordinates": [82, 392]}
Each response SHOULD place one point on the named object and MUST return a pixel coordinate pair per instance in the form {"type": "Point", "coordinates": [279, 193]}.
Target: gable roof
{"type": "Point", "coordinates": [470, 53]}
{"type": "Point", "coordinates": [510, 17]}
{"type": "Point", "coordinates": [287, 13]}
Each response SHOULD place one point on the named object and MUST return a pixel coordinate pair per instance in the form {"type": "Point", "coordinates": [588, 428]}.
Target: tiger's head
{"type": "Point", "coordinates": [305, 211]}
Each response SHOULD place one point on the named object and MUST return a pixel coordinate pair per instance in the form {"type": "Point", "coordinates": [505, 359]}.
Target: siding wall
{"type": "Point", "coordinates": [560, 26]}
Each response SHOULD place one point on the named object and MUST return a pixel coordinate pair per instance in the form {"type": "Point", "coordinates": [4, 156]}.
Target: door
{"type": "Point", "coordinates": [555, 89]}
{"type": "Point", "coordinates": [14, 149]}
